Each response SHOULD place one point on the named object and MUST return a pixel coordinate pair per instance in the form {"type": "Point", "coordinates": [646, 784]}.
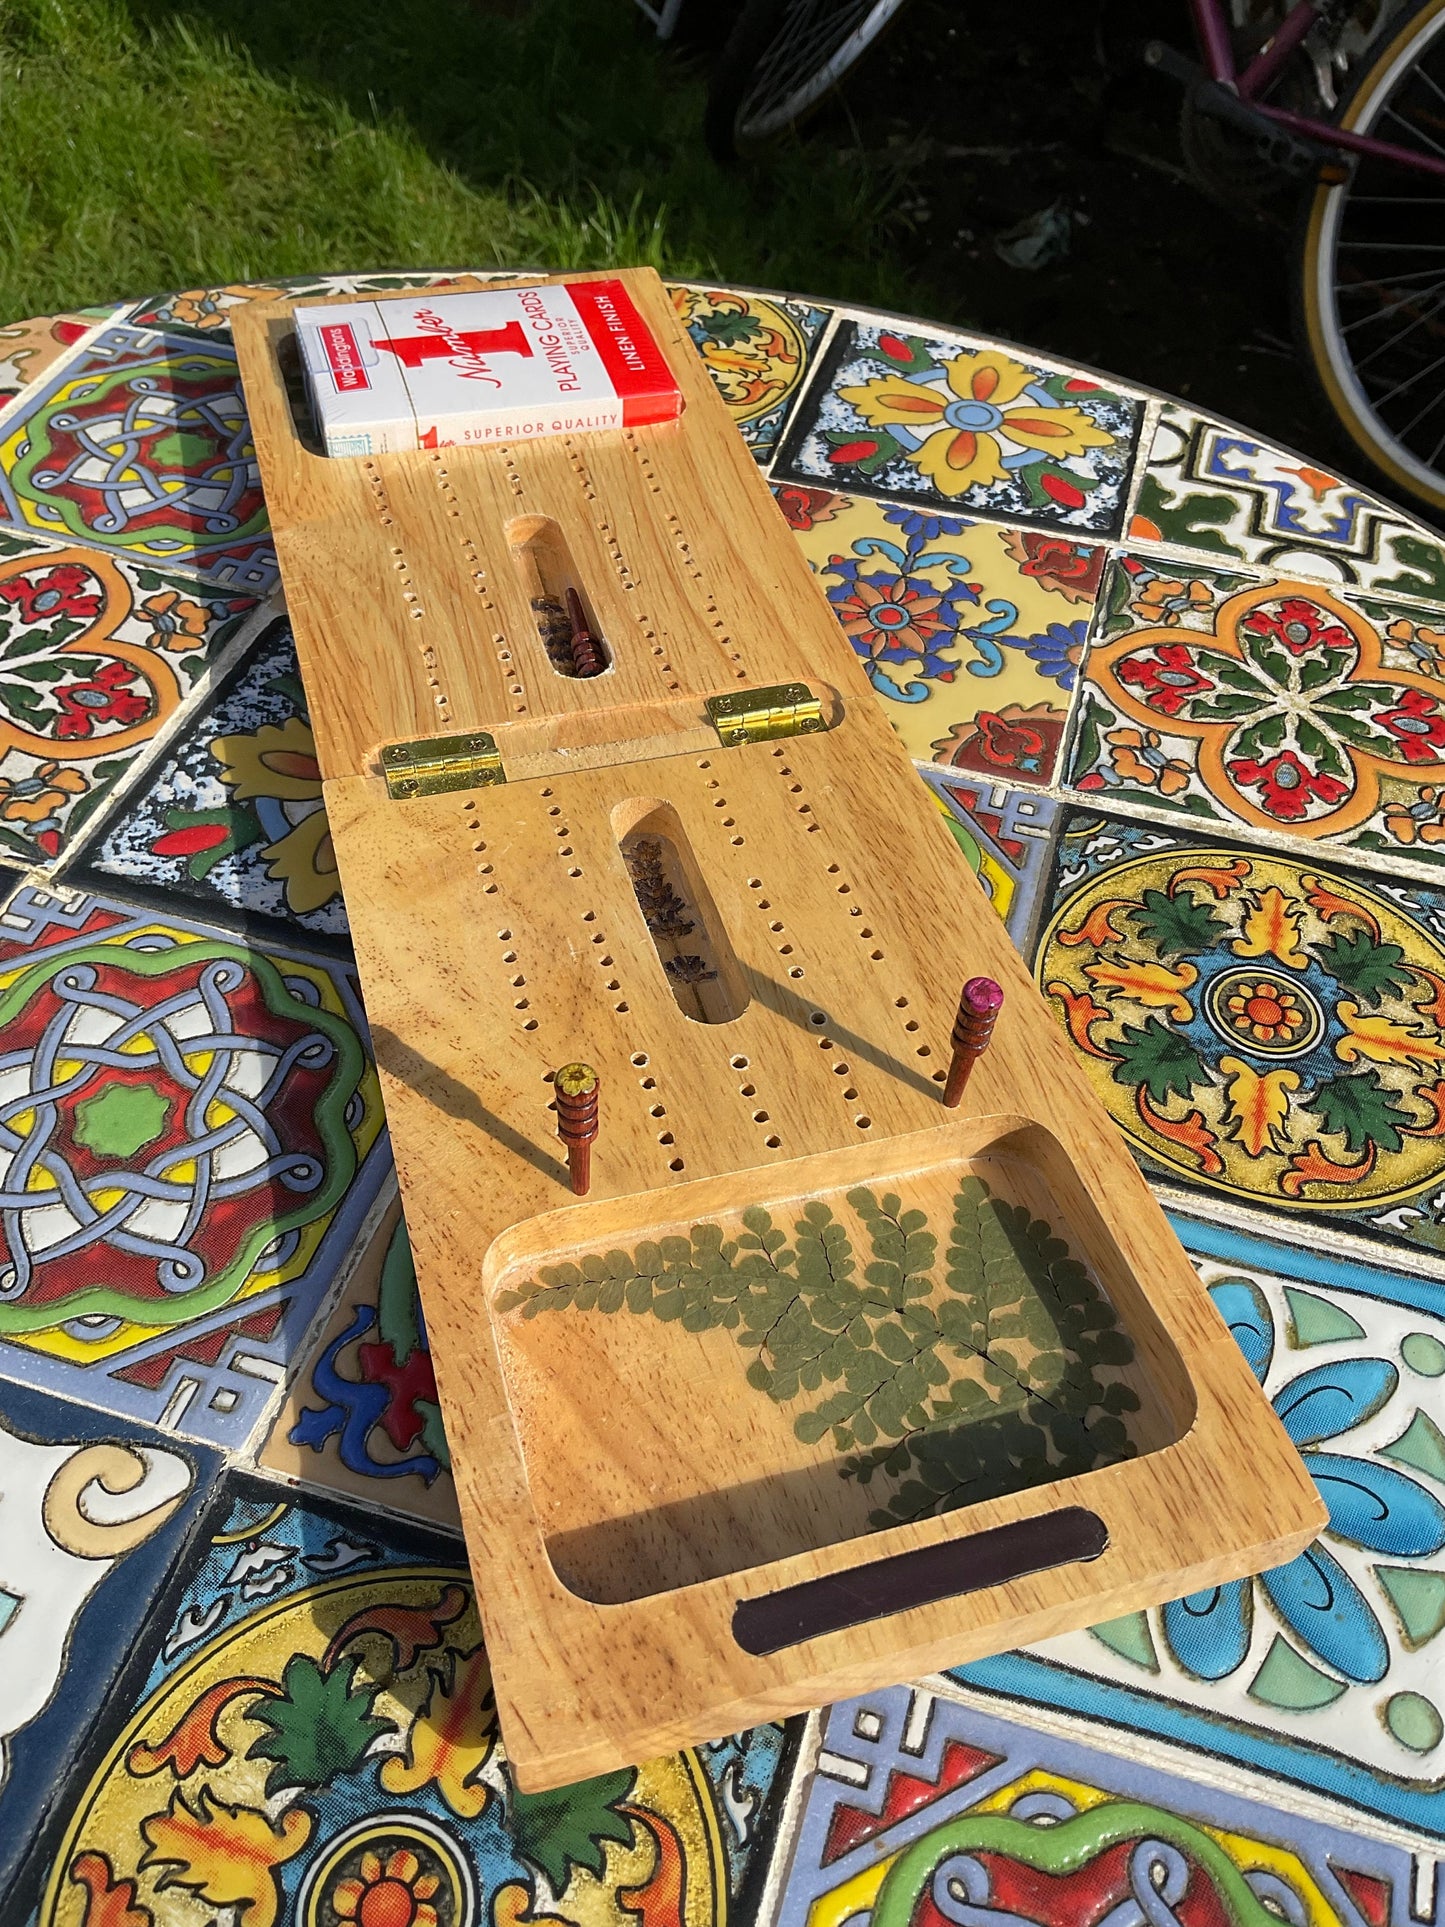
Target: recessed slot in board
{"type": "Point", "coordinates": [293, 378]}
{"type": "Point", "coordinates": [682, 920]}
{"type": "Point", "coordinates": [566, 623]}
{"type": "Point", "coordinates": [696, 1398]}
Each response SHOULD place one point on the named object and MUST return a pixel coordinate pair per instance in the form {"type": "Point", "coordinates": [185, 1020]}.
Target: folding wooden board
{"type": "Point", "coordinates": [795, 1267]}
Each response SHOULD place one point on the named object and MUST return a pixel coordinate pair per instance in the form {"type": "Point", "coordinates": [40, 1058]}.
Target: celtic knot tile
{"type": "Point", "coordinates": [163, 1114]}
{"type": "Point", "coordinates": [142, 444]}
{"type": "Point", "coordinates": [190, 1144]}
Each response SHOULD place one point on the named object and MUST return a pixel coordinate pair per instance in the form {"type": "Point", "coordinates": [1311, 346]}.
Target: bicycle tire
{"type": "Point", "coordinates": [1385, 387]}
{"type": "Point", "coordinates": [781, 59]}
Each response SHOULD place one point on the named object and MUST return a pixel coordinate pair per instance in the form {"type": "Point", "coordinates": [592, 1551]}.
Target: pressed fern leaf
{"type": "Point", "coordinates": [950, 1390]}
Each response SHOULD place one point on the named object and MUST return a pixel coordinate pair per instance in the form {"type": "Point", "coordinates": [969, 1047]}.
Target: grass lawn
{"type": "Point", "coordinates": [166, 143]}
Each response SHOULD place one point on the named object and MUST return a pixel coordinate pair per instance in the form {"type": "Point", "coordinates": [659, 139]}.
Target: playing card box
{"type": "Point", "coordinates": [480, 368]}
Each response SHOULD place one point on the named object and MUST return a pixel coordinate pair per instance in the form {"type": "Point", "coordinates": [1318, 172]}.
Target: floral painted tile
{"type": "Point", "coordinates": [1329, 1671]}
{"type": "Point", "coordinates": [100, 657]}
{"type": "Point", "coordinates": [317, 1743]}
{"type": "Point", "coordinates": [94, 1514]}
{"type": "Point", "coordinates": [1214, 489]}
{"type": "Point", "coordinates": [921, 1804]}
{"type": "Point", "coordinates": [28, 348]}
{"type": "Point", "coordinates": [233, 817]}
{"type": "Point", "coordinates": [1276, 705]}
{"type": "Point", "coordinates": [139, 444]}
{"type": "Point", "coordinates": [1336, 1649]}
{"type": "Point", "coordinates": [1006, 836]}
{"type": "Point", "coordinates": [1262, 1029]}
{"type": "Point", "coordinates": [206, 311]}
{"type": "Point", "coordinates": [969, 633]}
{"type": "Point", "coordinates": [757, 349]}
{"type": "Point", "coordinates": [196, 1131]}
{"type": "Point", "coordinates": [362, 1415]}
{"type": "Point", "coordinates": [964, 425]}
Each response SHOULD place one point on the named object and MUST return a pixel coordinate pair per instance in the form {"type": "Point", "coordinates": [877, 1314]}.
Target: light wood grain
{"type": "Point", "coordinates": [499, 936]}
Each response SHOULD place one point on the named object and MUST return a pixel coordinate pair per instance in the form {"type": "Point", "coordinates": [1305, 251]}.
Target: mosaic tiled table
{"type": "Point", "coordinates": [1181, 699]}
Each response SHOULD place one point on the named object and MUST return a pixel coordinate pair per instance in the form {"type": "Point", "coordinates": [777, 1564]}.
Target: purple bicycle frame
{"type": "Point", "coordinates": [1214, 39]}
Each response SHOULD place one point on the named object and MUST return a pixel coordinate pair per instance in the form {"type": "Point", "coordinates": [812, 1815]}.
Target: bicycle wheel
{"type": "Point", "coordinates": [781, 58]}
{"type": "Point", "coordinates": [1372, 265]}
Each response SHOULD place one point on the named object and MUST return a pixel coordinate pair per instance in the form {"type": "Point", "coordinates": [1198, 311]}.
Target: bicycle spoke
{"type": "Point", "coordinates": [815, 41]}
{"type": "Point", "coordinates": [1434, 146]}
{"type": "Point", "coordinates": [1383, 347]}
{"type": "Point", "coordinates": [798, 63]}
{"type": "Point", "coordinates": [1409, 382]}
{"type": "Point", "coordinates": [1383, 314]}
{"type": "Point", "coordinates": [1435, 401]}
{"type": "Point", "coordinates": [1399, 280]}
{"type": "Point", "coordinates": [1379, 277]}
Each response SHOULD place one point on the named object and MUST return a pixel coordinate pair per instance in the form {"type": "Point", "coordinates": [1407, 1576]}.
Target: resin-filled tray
{"type": "Point", "coordinates": [824, 1385]}
{"type": "Point", "coordinates": [697, 1395]}
{"type": "Point", "coordinates": [908, 1393]}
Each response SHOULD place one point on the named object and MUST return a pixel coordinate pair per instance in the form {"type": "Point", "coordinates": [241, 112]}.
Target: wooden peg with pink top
{"type": "Point", "coordinates": [978, 1009]}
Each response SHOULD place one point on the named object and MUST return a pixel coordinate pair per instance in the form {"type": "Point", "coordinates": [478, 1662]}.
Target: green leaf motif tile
{"type": "Point", "coordinates": [1421, 1445]}
{"type": "Point", "coordinates": [1315, 1321]}
{"type": "Point", "coordinates": [1287, 1679]}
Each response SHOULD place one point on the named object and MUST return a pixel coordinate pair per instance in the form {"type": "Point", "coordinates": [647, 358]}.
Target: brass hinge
{"type": "Point", "coordinates": [439, 763]}
{"type": "Point", "coordinates": [758, 715]}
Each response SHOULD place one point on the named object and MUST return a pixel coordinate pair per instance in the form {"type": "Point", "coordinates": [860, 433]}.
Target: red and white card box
{"type": "Point", "coordinates": [496, 365]}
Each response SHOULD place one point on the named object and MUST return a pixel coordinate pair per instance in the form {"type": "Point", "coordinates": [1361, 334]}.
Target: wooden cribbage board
{"type": "Point", "coordinates": [499, 937]}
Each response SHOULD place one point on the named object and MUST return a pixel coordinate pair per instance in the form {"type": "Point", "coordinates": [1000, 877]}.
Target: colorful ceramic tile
{"type": "Point", "coordinates": [191, 1138]}
{"type": "Point", "coordinates": [362, 1416]}
{"type": "Point", "coordinates": [1320, 1673]}
{"type": "Point", "coordinates": [1214, 489]}
{"type": "Point", "coordinates": [1005, 834]}
{"type": "Point", "coordinates": [1333, 1656]}
{"type": "Point", "coordinates": [206, 311]}
{"type": "Point", "coordinates": [756, 348]}
{"type": "Point", "coordinates": [970, 634]}
{"type": "Point", "coordinates": [100, 657]}
{"type": "Point", "coordinates": [918, 1804]}
{"type": "Point", "coordinates": [1272, 704]}
{"type": "Point", "coordinates": [1260, 1028]}
{"type": "Point", "coordinates": [93, 1516]}
{"type": "Point", "coordinates": [28, 348]}
{"type": "Point", "coordinates": [139, 444]}
{"type": "Point", "coordinates": [233, 816]}
{"type": "Point", "coordinates": [317, 1744]}
{"type": "Point", "coordinates": [963, 425]}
